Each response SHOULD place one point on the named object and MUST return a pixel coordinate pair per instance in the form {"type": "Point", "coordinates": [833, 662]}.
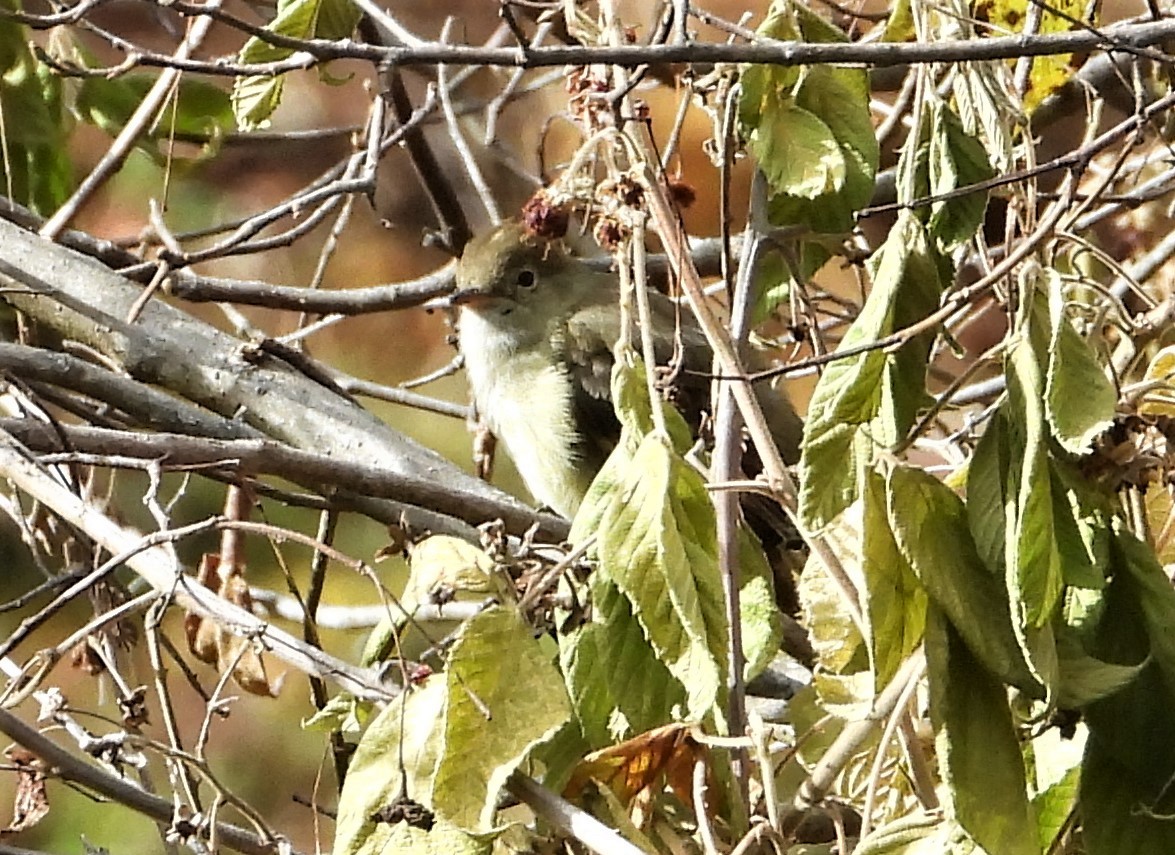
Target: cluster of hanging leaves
{"type": "Point", "coordinates": [652, 650]}
{"type": "Point", "coordinates": [1033, 601]}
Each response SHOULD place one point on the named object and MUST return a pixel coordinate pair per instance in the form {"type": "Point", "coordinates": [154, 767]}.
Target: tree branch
{"type": "Point", "coordinates": [81, 300]}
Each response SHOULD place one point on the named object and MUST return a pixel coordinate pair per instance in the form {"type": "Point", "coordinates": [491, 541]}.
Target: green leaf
{"type": "Point", "coordinates": [505, 697]}
{"type": "Point", "coordinates": [899, 26]}
{"type": "Point", "coordinates": [895, 601]}
{"type": "Point", "coordinates": [1156, 598]}
{"type": "Point", "coordinates": [1118, 808]}
{"type": "Point", "coordinates": [790, 117]}
{"type": "Point", "coordinates": [905, 835]}
{"type": "Point", "coordinates": [35, 169]}
{"type": "Point", "coordinates": [797, 152]}
{"type": "Point", "coordinates": [1081, 523]}
{"type": "Point", "coordinates": [930, 526]}
{"type": "Point", "coordinates": [759, 618]}
{"type": "Point", "coordinates": [1079, 396]}
{"type": "Point", "coordinates": [659, 546]}
{"type": "Point", "coordinates": [1033, 560]}
{"type": "Point", "coordinates": [408, 731]}
{"type": "Point", "coordinates": [956, 160]}
{"type": "Point", "coordinates": [1127, 771]}
{"type": "Point", "coordinates": [1129, 763]}
{"type": "Point", "coordinates": [986, 499]}
{"type": "Point", "coordinates": [875, 388]}
{"type": "Point", "coordinates": [255, 97]}
{"type": "Point", "coordinates": [977, 744]}
{"type": "Point", "coordinates": [1053, 806]}
{"type": "Point", "coordinates": [1084, 679]}
{"type": "Point", "coordinates": [829, 465]}
{"type": "Point", "coordinates": [442, 839]}
{"type": "Point", "coordinates": [200, 109]}
{"type": "Point", "coordinates": [618, 686]}
{"type": "Point", "coordinates": [343, 713]}
{"type": "Point", "coordinates": [775, 278]}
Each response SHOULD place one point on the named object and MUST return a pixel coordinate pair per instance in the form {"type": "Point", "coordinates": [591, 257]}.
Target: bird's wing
{"type": "Point", "coordinates": [584, 344]}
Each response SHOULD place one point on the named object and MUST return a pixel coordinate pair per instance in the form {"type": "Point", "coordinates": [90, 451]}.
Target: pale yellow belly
{"type": "Point", "coordinates": [527, 404]}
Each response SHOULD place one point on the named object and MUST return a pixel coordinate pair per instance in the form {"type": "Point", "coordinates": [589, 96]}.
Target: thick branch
{"type": "Point", "coordinates": [149, 406]}
{"type": "Point", "coordinates": [84, 301]}
{"type": "Point", "coordinates": [329, 476]}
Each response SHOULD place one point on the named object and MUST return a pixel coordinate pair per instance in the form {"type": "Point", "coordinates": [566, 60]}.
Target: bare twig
{"type": "Point", "coordinates": [70, 768]}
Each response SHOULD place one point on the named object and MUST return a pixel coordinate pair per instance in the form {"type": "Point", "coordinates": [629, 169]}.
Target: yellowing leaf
{"type": "Point", "coordinates": [442, 569]}
{"type": "Point", "coordinates": [504, 698]}
{"type": "Point", "coordinates": [1049, 73]}
{"type": "Point", "coordinates": [406, 732]}
{"type": "Point", "coordinates": [1160, 400]}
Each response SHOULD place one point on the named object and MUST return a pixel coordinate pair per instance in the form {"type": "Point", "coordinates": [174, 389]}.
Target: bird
{"type": "Point", "coordinates": [537, 326]}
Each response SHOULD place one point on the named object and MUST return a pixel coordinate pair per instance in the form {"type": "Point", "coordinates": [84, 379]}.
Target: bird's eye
{"type": "Point", "coordinates": [527, 279]}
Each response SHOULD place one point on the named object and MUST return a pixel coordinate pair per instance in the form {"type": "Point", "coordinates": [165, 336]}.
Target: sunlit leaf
{"type": "Point", "coordinates": [895, 601]}
{"type": "Point", "coordinates": [671, 579]}
{"type": "Point", "coordinates": [1034, 561]}
{"type": "Point", "coordinates": [398, 751]}
{"type": "Point", "coordinates": [835, 637]}
{"type": "Point", "coordinates": [1080, 397]}
{"type": "Point", "coordinates": [798, 153]}
{"type": "Point", "coordinates": [255, 98]}
{"type": "Point", "coordinates": [956, 160]}
{"type": "Point", "coordinates": [1081, 523]}
{"type": "Point", "coordinates": [929, 524]}
{"type": "Point", "coordinates": [810, 130]}
{"type": "Point", "coordinates": [505, 697]}
{"type": "Point", "coordinates": [618, 686]}
{"type": "Point", "coordinates": [1056, 759]}
{"type": "Point", "coordinates": [987, 500]}
{"type": "Point", "coordinates": [875, 388]}
{"type": "Point", "coordinates": [442, 568]}
{"type": "Point", "coordinates": [1159, 400]}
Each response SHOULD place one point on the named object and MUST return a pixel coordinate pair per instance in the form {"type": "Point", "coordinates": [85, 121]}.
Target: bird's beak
{"type": "Point", "coordinates": [470, 295]}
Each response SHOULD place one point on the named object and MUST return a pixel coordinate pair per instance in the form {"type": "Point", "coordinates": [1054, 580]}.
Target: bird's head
{"type": "Point", "coordinates": [512, 278]}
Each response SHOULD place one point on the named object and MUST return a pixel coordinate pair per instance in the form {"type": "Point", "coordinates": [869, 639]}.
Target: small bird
{"type": "Point", "coordinates": [537, 327]}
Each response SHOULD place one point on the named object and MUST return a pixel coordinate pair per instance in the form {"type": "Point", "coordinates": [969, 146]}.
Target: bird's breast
{"type": "Point", "coordinates": [525, 395]}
